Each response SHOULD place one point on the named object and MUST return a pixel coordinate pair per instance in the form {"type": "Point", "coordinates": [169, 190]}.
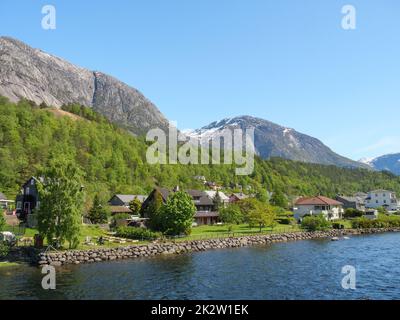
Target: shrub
{"type": "Point", "coordinates": [381, 222]}
{"type": "Point", "coordinates": [353, 213]}
{"type": "Point", "coordinates": [286, 220]}
{"type": "Point", "coordinates": [137, 233]}
{"type": "Point", "coordinates": [4, 249]}
{"type": "Point", "coordinates": [315, 223]}
{"type": "Point", "coordinates": [337, 225]}
{"type": "Point", "coordinates": [119, 217]}
{"type": "Point", "coordinates": [2, 221]}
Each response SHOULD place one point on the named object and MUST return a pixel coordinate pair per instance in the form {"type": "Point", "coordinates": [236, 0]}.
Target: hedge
{"type": "Point", "coordinates": [137, 233]}
{"type": "Point", "coordinates": [381, 222]}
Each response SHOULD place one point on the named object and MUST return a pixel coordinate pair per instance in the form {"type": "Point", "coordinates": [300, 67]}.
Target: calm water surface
{"type": "Point", "coordinates": [294, 270]}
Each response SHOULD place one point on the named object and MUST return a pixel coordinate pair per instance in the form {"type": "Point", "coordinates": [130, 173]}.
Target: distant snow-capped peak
{"type": "Point", "coordinates": [368, 161]}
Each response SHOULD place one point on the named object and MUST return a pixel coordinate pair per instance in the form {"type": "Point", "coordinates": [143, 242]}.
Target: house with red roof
{"type": "Point", "coordinates": [331, 209]}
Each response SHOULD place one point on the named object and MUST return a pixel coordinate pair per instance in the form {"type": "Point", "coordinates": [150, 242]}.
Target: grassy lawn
{"type": "Point", "coordinates": [217, 231]}
{"type": "Point", "coordinates": [94, 232]}
{"type": "Point", "coordinates": [86, 231]}
{"type": "Point", "coordinates": [6, 264]}
{"type": "Point", "coordinates": [27, 232]}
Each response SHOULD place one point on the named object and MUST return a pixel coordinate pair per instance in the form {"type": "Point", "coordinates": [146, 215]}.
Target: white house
{"type": "Point", "coordinates": [329, 208]}
{"type": "Point", "coordinates": [382, 198]}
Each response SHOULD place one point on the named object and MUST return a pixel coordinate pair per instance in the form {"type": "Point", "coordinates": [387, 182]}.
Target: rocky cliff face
{"type": "Point", "coordinates": [35, 75]}
{"type": "Point", "coordinates": [272, 140]}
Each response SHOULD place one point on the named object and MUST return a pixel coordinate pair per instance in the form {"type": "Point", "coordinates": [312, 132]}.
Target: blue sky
{"type": "Point", "coordinates": [288, 61]}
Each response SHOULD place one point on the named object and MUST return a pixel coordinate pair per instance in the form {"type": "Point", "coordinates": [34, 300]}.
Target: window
{"type": "Point", "coordinates": [19, 205]}
{"type": "Point", "coordinates": [377, 201]}
{"type": "Point", "coordinates": [27, 191]}
{"type": "Point", "coordinates": [32, 182]}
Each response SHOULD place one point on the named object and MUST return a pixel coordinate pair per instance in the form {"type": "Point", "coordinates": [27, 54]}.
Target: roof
{"type": "Point", "coordinates": [195, 193]}
{"type": "Point", "coordinates": [126, 198]}
{"type": "Point", "coordinates": [240, 195]}
{"type": "Point", "coordinates": [348, 199]}
{"type": "Point", "coordinates": [2, 196]}
{"type": "Point", "coordinates": [205, 214]}
{"type": "Point", "coordinates": [212, 194]}
{"type": "Point", "coordinates": [381, 191]}
{"type": "Point", "coordinates": [204, 199]}
{"type": "Point", "coordinates": [40, 180]}
{"type": "Point", "coordinates": [319, 200]}
{"type": "Point", "coordinates": [164, 192]}
{"type": "Point", "coordinates": [120, 209]}
{"type": "Point", "coordinates": [361, 194]}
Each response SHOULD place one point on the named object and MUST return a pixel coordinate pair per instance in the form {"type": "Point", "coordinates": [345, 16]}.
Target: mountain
{"type": "Point", "coordinates": [114, 161]}
{"type": "Point", "coordinates": [35, 75]}
{"type": "Point", "coordinates": [272, 140]}
{"type": "Point", "coordinates": [389, 162]}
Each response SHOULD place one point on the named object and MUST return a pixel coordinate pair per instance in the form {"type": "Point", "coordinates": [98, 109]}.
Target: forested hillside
{"type": "Point", "coordinates": [114, 161]}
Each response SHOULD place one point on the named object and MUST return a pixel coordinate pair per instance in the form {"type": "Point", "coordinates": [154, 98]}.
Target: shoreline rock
{"type": "Point", "coordinates": [167, 248]}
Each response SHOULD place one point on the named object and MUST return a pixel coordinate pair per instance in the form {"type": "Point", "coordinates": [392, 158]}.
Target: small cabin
{"type": "Point", "coordinates": [28, 199]}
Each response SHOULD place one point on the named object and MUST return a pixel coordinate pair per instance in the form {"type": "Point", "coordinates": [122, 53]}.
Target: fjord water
{"type": "Point", "coordinates": [294, 270]}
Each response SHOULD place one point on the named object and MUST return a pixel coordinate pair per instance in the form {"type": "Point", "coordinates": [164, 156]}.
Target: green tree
{"type": "Point", "coordinates": [61, 202]}
{"type": "Point", "coordinates": [262, 195]}
{"type": "Point", "coordinates": [135, 205]}
{"type": "Point", "coordinates": [153, 212]}
{"type": "Point", "coordinates": [217, 201]}
{"type": "Point", "coordinates": [262, 215]}
{"type": "Point", "coordinates": [246, 206]}
{"type": "Point", "coordinates": [279, 199]}
{"type": "Point", "coordinates": [177, 214]}
{"type": "Point", "coordinates": [99, 212]}
{"type": "Point", "coordinates": [230, 215]}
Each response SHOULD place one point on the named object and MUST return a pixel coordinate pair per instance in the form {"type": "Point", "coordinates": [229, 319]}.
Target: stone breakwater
{"type": "Point", "coordinates": [166, 248]}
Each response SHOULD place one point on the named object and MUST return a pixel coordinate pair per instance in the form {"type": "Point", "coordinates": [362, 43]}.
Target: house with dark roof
{"type": "Point", "coordinates": [125, 199]}
{"type": "Point", "coordinates": [331, 209]}
{"type": "Point", "coordinates": [205, 207]}
{"type": "Point", "coordinates": [354, 202]}
{"type": "Point", "coordinates": [28, 200]}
